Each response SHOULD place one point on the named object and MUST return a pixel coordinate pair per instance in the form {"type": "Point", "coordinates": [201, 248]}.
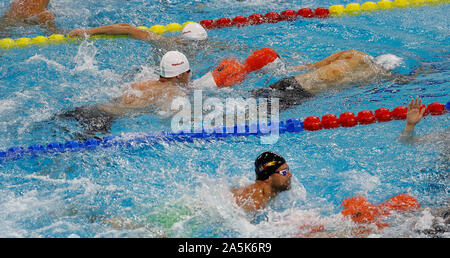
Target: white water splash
{"type": "Point", "coordinates": [37, 58]}
{"type": "Point", "coordinates": [85, 58]}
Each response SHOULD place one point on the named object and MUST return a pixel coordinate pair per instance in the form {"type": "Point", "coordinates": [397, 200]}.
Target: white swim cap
{"type": "Point", "coordinates": [194, 31]}
{"type": "Point", "coordinates": [173, 63]}
{"type": "Point", "coordinates": [389, 61]}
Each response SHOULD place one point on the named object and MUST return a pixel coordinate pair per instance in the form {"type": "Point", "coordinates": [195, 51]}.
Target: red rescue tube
{"type": "Point", "coordinates": [401, 202]}
{"type": "Point", "coordinates": [259, 58]}
{"type": "Point", "coordinates": [228, 73]}
{"type": "Point", "coordinates": [365, 117]}
{"type": "Point", "coordinates": [312, 123]}
{"type": "Point", "coordinates": [361, 211]}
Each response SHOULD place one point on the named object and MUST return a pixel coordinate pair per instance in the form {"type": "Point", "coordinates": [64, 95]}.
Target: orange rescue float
{"type": "Point", "coordinates": [361, 211]}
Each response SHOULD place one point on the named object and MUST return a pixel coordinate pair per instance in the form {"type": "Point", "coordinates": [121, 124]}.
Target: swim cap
{"type": "Point", "coordinates": [194, 31]}
{"type": "Point", "coordinates": [173, 63]}
{"type": "Point", "coordinates": [389, 61]}
{"type": "Point", "coordinates": [266, 164]}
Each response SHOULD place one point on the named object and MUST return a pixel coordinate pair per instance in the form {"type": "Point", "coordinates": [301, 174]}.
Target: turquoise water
{"type": "Point", "coordinates": [182, 189]}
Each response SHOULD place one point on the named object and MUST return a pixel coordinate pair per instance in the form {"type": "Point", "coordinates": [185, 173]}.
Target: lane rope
{"type": "Point", "coordinates": [238, 21]}
{"type": "Point", "coordinates": [311, 123]}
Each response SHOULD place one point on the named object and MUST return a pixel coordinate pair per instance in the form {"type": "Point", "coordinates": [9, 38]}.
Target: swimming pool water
{"type": "Point", "coordinates": [182, 189]}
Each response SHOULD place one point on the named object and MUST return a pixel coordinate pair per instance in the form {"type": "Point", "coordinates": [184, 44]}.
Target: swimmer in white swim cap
{"type": "Point", "coordinates": [172, 64]}
{"type": "Point", "coordinates": [194, 31]}
{"type": "Point", "coordinates": [141, 96]}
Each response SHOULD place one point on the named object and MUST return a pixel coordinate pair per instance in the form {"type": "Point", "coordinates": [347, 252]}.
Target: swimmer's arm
{"type": "Point", "coordinates": [117, 29]}
{"type": "Point", "coordinates": [413, 117]}
{"type": "Point", "coordinates": [404, 79]}
{"type": "Point", "coordinates": [328, 60]}
{"type": "Point", "coordinates": [407, 135]}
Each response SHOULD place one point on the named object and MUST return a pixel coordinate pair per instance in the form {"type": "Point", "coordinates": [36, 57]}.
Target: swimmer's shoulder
{"type": "Point", "coordinates": [146, 85]}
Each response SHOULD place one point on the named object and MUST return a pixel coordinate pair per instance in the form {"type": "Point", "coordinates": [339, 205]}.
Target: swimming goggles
{"type": "Point", "coordinates": [283, 172]}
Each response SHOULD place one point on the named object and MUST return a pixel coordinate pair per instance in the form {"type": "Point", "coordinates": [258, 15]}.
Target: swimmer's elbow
{"type": "Point", "coordinates": [46, 17]}
{"type": "Point", "coordinates": [403, 79]}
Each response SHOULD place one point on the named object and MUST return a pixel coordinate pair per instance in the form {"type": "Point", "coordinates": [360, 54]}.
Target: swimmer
{"type": "Point", "coordinates": [30, 12]}
{"type": "Point", "coordinates": [272, 177]}
{"type": "Point", "coordinates": [118, 29]}
{"type": "Point", "coordinates": [193, 42]}
{"type": "Point", "coordinates": [340, 69]}
{"type": "Point", "coordinates": [140, 97]}
{"type": "Point", "coordinates": [194, 37]}
{"type": "Point", "coordinates": [153, 96]}
{"type": "Point", "coordinates": [413, 117]}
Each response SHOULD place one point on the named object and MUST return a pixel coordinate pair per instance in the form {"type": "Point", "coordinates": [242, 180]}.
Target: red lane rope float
{"type": "Point", "coordinates": [270, 17]}
{"type": "Point", "coordinates": [348, 119]}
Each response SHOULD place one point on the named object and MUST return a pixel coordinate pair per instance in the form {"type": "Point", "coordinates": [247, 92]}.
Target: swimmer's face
{"type": "Point", "coordinates": [279, 181]}
{"type": "Point", "coordinates": [185, 77]}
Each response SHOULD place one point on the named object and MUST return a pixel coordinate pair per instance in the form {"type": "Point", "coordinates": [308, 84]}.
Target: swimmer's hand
{"type": "Point", "coordinates": [413, 116]}
{"type": "Point", "coordinates": [79, 33]}
{"type": "Point", "coordinates": [415, 113]}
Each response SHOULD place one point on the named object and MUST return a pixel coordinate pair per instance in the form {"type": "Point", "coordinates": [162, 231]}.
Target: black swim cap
{"type": "Point", "coordinates": [266, 164]}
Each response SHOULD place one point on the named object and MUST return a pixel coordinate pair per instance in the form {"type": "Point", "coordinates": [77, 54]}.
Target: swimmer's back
{"type": "Point", "coordinates": [144, 94]}
{"type": "Point", "coordinates": [353, 68]}
{"type": "Point", "coordinates": [22, 9]}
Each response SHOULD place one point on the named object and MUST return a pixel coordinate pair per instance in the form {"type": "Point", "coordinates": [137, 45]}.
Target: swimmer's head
{"type": "Point", "coordinates": [267, 164]}
{"type": "Point", "coordinates": [173, 64]}
{"type": "Point", "coordinates": [194, 31]}
{"type": "Point", "coordinates": [389, 61]}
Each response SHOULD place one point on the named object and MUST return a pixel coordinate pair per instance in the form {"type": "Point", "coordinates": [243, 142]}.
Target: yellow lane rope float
{"type": "Point", "coordinates": [254, 19]}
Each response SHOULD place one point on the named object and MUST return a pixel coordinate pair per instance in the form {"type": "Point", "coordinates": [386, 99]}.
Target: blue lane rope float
{"type": "Point", "coordinates": [220, 133]}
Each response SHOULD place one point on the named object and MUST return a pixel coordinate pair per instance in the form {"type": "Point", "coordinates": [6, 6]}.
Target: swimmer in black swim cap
{"type": "Point", "coordinates": [342, 69]}
{"type": "Point", "coordinates": [266, 164]}
{"type": "Point", "coordinates": [272, 177]}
